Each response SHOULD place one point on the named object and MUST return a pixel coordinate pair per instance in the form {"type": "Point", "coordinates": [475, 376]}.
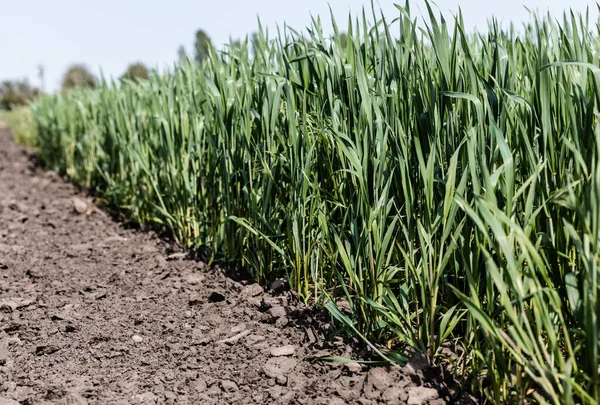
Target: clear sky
{"type": "Point", "coordinates": [109, 34]}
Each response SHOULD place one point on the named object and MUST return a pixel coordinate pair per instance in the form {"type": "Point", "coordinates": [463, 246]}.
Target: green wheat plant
{"type": "Point", "coordinates": [444, 185]}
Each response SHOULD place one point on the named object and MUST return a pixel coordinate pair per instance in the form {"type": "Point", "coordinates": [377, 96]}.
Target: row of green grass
{"type": "Point", "coordinates": [447, 185]}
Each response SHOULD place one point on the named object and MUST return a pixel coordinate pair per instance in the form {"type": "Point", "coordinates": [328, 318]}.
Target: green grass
{"type": "Point", "coordinates": [21, 122]}
{"type": "Point", "coordinates": [448, 186]}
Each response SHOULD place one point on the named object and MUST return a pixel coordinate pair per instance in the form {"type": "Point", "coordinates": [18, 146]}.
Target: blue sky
{"type": "Point", "coordinates": [110, 34]}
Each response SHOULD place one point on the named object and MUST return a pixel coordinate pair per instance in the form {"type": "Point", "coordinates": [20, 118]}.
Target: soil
{"type": "Point", "coordinates": [93, 313]}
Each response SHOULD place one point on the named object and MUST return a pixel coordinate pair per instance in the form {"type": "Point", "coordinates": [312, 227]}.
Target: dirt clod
{"type": "Point", "coordinates": [421, 395]}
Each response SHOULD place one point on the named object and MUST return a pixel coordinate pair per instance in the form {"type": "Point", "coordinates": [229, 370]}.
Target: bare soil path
{"type": "Point", "coordinates": [92, 313]}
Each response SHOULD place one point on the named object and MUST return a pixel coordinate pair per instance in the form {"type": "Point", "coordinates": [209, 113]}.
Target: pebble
{"type": "Point", "coordinates": [252, 290]}
{"type": "Point", "coordinates": [287, 350]}
{"type": "Point", "coordinates": [195, 299]}
{"type": "Point", "coordinates": [137, 338]}
{"type": "Point", "coordinates": [281, 379]}
{"type": "Point", "coordinates": [79, 206]}
{"type": "Point", "coordinates": [228, 386]}
{"type": "Point", "coordinates": [194, 279]}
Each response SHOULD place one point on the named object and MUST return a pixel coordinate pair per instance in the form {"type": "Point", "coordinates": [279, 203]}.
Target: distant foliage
{"type": "Point", "coordinates": [202, 46]}
{"type": "Point", "coordinates": [16, 93]}
{"type": "Point", "coordinates": [136, 71]}
{"type": "Point", "coordinates": [78, 76]}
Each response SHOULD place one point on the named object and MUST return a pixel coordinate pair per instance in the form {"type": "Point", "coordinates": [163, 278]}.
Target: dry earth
{"type": "Point", "coordinates": [93, 313]}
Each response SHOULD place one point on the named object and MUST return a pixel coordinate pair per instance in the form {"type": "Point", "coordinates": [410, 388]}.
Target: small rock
{"type": "Point", "coordinates": [137, 338]}
{"type": "Point", "coordinates": [421, 395]}
{"type": "Point", "coordinates": [253, 339]}
{"type": "Point", "coordinates": [252, 290]}
{"type": "Point", "coordinates": [276, 392]}
{"type": "Point", "coordinates": [79, 206]}
{"type": "Point", "coordinates": [199, 385]}
{"type": "Point", "coordinates": [353, 367]}
{"type": "Point", "coordinates": [279, 366]}
{"type": "Point", "coordinates": [278, 312]}
{"type": "Point", "coordinates": [281, 379]}
{"type": "Point", "coordinates": [194, 279]}
{"type": "Point", "coordinates": [216, 297]}
{"type": "Point", "coordinates": [228, 386]}
{"type": "Point", "coordinates": [288, 350]}
{"type": "Point", "coordinates": [195, 299]}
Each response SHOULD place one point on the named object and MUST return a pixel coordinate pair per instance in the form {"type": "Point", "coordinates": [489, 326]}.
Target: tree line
{"type": "Point", "coordinates": [15, 93]}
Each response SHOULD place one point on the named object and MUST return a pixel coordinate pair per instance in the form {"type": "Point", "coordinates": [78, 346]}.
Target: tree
{"type": "Point", "coordinates": [136, 71]}
{"type": "Point", "coordinates": [202, 46]}
{"type": "Point", "coordinates": [16, 93]}
{"type": "Point", "coordinates": [78, 76]}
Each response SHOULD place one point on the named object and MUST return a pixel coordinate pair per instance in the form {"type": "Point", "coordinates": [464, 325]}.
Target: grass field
{"type": "Point", "coordinates": [448, 186]}
{"type": "Point", "coordinates": [21, 122]}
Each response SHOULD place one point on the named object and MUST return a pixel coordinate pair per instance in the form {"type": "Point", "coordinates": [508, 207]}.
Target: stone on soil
{"type": "Point", "coordinates": [252, 290]}
{"type": "Point", "coordinates": [79, 206]}
{"type": "Point", "coordinates": [287, 350]}
{"type": "Point", "coordinates": [278, 312]}
{"type": "Point", "coordinates": [137, 338]}
{"type": "Point", "coordinates": [195, 299]}
{"type": "Point", "coordinates": [228, 386]}
{"type": "Point", "coordinates": [194, 279]}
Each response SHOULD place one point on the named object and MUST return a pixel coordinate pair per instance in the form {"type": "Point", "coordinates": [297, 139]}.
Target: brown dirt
{"type": "Point", "coordinates": [92, 313]}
